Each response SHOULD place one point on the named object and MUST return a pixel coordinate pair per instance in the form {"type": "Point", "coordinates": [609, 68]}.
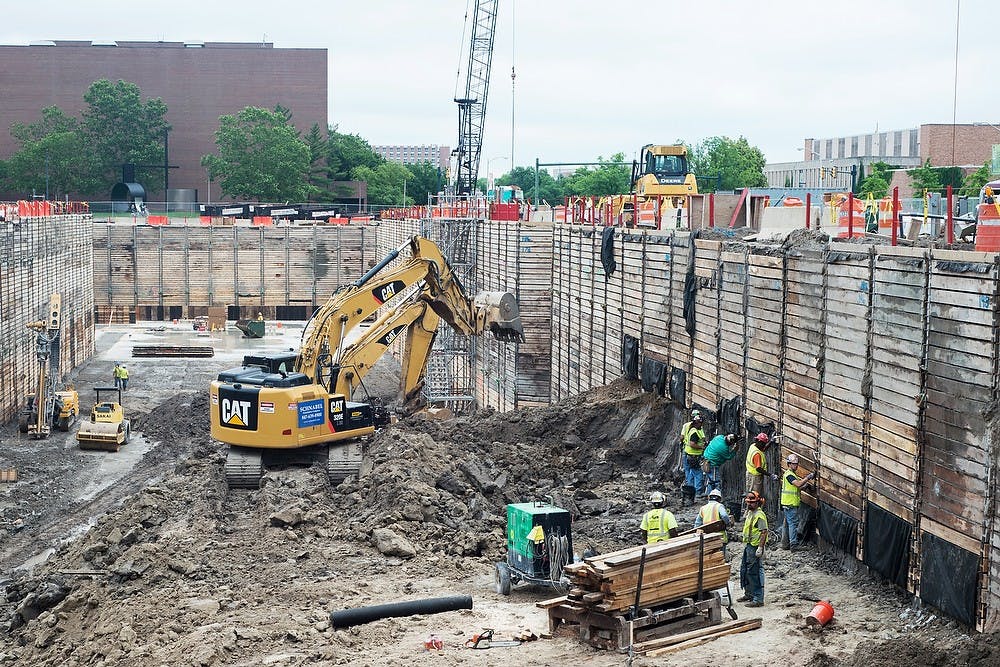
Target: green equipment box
{"type": "Point", "coordinates": [534, 532]}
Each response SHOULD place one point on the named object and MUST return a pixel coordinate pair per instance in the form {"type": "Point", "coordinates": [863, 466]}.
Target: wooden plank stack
{"type": "Point", "coordinates": [673, 570]}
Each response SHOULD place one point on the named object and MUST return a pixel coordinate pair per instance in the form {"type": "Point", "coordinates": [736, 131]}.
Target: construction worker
{"type": "Point", "coordinates": [757, 464]}
{"type": "Point", "coordinates": [658, 524]}
{"type": "Point", "coordinates": [712, 512]}
{"type": "Point", "coordinates": [693, 446]}
{"type": "Point", "coordinates": [116, 374]}
{"type": "Point", "coordinates": [752, 565]}
{"type": "Point", "coordinates": [720, 449]}
{"type": "Point", "coordinates": [791, 500]}
{"type": "Point", "coordinates": [123, 375]}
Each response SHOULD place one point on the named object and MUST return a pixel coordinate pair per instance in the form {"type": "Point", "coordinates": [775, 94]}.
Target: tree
{"type": "Point", "coordinates": [874, 185]}
{"type": "Point", "coordinates": [52, 157]}
{"type": "Point", "coordinates": [385, 183]}
{"type": "Point", "coordinates": [925, 178]}
{"type": "Point", "coordinates": [549, 189]}
{"type": "Point", "coordinates": [347, 152]}
{"type": "Point", "coordinates": [607, 179]}
{"type": "Point", "coordinates": [120, 128]}
{"type": "Point", "coordinates": [975, 181]}
{"type": "Point", "coordinates": [428, 179]}
{"type": "Point", "coordinates": [260, 157]}
{"type": "Point", "coordinates": [319, 155]}
{"type": "Point", "coordinates": [739, 164]}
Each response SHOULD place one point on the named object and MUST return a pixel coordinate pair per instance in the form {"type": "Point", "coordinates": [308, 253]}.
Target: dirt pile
{"type": "Point", "coordinates": [184, 572]}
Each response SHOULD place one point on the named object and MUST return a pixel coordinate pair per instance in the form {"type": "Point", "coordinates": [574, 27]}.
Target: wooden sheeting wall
{"type": "Point", "coordinates": [38, 257]}
{"type": "Point", "coordinates": [196, 267]}
{"type": "Point", "coordinates": [878, 364]}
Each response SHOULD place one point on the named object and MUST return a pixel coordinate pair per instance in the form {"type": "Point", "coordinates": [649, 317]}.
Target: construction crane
{"type": "Point", "coordinates": [472, 106]}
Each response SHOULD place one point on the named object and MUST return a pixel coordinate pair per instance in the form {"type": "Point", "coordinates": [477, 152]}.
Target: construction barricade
{"type": "Point", "coordinates": [848, 224]}
{"type": "Point", "coordinates": [988, 228]}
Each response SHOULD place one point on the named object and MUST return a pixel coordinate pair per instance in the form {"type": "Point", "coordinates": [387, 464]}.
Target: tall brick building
{"type": "Point", "coordinates": [828, 162]}
{"type": "Point", "coordinates": [198, 82]}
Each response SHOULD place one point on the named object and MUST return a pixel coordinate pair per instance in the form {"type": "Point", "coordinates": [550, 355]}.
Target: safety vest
{"type": "Point", "coordinates": [123, 373]}
{"type": "Point", "coordinates": [709, 513]}
{"type": "Point", "coordinates": [751, 529]}
{"type": "Point", "coordinates": [790, 495]}
{"type": "Point", "coordinates": [689, 448]}
{"type": "Point", "coordinates": [657, 524]}
{"type": "Point", "coordinates": [755, 459]}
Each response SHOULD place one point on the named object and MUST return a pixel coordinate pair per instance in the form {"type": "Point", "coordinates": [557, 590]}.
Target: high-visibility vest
{"type": "Point", "coordinates": [710, 513]}
{"type": "Point", "coordinates": [751, 530]}
{"type": "Point", "coordinates": [657, 524]}
{"type": "Point", "coordinates": [123, 373]}
{"type": "Point", "coordinates": [790, 495]}
{"type": "Point", "coordinates": [689, 448]}
{"type": "Point", "coordinates": [752, 463]}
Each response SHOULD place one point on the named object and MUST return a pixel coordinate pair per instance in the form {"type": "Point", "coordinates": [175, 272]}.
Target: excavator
{"type": "Point", "coordinates": [661, 173]}
{"type": "Point", "coordinates": [47, 406]}
{"type": "Point", "coordinates": [297, 408]}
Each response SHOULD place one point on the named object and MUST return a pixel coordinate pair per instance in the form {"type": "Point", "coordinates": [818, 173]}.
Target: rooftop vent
{"type": "Point", "coordinates": [42, 42]}
{"type": "Point", "coordinates": [100, 43]}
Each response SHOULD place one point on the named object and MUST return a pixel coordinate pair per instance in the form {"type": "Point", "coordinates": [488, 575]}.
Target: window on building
{"type": "Point", "coordinates": [829, 149]}
{"type": "Point", "coordinates": [842, 147]}
{"type": "Point", "coordinates": [914, 143]}
{"type": "Point", "coordinates": [854, 146]}
{"type": "Point", "coordinates": [897, 144]}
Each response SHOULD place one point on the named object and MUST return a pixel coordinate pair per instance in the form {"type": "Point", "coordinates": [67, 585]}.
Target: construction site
{"type": "Point", "coordinates": [876, 364]}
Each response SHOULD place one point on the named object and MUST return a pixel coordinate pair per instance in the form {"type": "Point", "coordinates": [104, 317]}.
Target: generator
{"type": "Point", "coordinates": [539, 545]}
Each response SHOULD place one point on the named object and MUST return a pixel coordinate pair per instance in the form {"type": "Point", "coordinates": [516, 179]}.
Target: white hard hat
{"type": "Point", "coordinates": [792, 458]}
{"type": "Point", "coordinates": [715, 493]}
{"type": "Point", "coordinates": [656, 497]}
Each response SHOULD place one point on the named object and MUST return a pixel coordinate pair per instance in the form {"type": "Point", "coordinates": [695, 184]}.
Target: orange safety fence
{"type": "Point", "coordinates": [35, 209]}
{"type": "Point", "coordinates": [262, 220]}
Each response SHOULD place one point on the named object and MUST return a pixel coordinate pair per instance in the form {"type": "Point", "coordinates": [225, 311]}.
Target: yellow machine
{"type": "Point", "coordinates": [294, 408]}
{"type": "Point", "coordinates": [108, 428]}
{"type": "Point", "coordinates": [47, 407]}
{"type": "Point", "coordinates": [660, 174]}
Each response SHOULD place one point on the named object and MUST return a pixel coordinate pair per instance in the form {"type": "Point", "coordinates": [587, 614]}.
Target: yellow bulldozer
{"type": "Point", "coordinates": [108, 428]}
{"type": "Point", "coordinates": [661, 174]}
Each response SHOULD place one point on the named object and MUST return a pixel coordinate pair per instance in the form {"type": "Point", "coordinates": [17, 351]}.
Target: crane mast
{"type": "Point", "coordinates": [472, 107]}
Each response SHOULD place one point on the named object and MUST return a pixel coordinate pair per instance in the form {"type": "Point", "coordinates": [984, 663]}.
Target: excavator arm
{"type": "Point", "coordinates": [325, 335]}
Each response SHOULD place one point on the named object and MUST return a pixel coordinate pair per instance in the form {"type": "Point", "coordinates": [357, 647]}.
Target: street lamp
{"type": "Point", "coordinates": [489, 170]}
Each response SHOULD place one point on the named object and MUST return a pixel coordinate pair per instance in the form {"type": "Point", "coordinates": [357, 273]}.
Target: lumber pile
{"type": "Point", "coordinates": [678, 568]}
{"type": "Point", "coordinates": [679, 642]}
{"type": "Point", "coordinates": [173, 351]}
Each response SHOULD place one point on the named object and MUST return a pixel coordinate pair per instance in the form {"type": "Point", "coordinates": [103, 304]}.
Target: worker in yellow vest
{"type": "Point", "coordinates": [658, 524]}
{"type": "Point", "coordinates": [752, 565]}
{"type": "Point", "coordinates": [791, 500]}
{"type": "Point", "coordinates": [711, 513]}
{"type": "Point", "coordinates": [692, 447]}
{"type": "Point", "coordinates": [756, 464]}
{"type": "Point", "coordinates": [123, 374]}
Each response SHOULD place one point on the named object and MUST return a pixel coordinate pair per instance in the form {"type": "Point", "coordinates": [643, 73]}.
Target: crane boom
{"type": "Point", "coordinates": [472, 107]}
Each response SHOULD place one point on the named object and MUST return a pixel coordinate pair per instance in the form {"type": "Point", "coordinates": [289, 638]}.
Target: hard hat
{"type": "Point", "coordinates": [656, 497]}
{"type": "Point", "coordinates": [753, 498]}
{"type": "Point", "coordinates": [792, 458]}
{"type": "Point", "coordinates": [695, 413]}
{"type": "Point", "coordinates": [715, 493]}
{"type": "Point", "coordinates": [762, 438]}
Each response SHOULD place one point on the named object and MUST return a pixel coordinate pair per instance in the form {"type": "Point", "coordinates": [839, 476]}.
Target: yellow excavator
{"type": "Point", "coordinates": [47, 406]}
{"type": "Point", "coordinates": [108, 428]}
{"type": "Point", "coordinates": [295, 408]}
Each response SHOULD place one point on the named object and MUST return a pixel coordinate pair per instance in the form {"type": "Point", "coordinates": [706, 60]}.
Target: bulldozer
{"type": "Point", "coordinates": [662, 174]}
{"type": "Point", "coordinates": [108, 428]}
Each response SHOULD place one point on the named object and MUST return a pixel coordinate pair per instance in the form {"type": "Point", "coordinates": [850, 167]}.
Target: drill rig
{"type": "Point", "coordinates": [48, 407]}
{"type": "Point", "coordinates": [296, 408]}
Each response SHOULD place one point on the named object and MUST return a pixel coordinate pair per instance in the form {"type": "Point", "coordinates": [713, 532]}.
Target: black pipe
{"type": "Point", "coordinates": [375, 269]}
{"type": "Point", "coordinates": [638, 584]}
{"type": "Point", "coordinates": [348, 617]}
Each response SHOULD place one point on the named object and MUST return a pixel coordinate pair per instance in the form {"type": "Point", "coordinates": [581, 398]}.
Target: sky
{"type": "Point", "coordinates": [595, 78]}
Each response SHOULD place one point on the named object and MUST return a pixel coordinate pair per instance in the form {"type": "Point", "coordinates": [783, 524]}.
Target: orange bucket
{"type": "Point", "coordinates": [821, 614]}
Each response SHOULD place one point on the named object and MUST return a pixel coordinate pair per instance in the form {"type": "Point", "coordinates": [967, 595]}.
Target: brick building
{"type": "Point", "coordinates": [198, 82]}
{"type": "Point", "coordinates": [827, 163]}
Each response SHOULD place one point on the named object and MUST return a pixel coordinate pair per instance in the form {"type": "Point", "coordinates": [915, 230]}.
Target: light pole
{"type": "Point", "coordinates": [809, 155]}
{"type": "Point", "coordinates": [489, 170]}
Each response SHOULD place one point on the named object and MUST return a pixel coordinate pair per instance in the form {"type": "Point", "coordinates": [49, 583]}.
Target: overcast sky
{"type": "Point", "coordinates": [595, 77]}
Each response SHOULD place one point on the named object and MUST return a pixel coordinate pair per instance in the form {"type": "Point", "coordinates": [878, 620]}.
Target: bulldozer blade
{"type": "Point", "coordinates": [502, 315]}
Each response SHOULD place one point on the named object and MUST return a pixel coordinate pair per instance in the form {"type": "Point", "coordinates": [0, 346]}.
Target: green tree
{"type": "Point", "coordinates": [347, 152]}
{"type": "Point", "coordinates": [120, 128]}
{"type": "Point", "coordinates": [385, 183]}
{"type": "Point", "coordinates": [606, 179]}
{"type": "Point", "coordinates": [874, 185]}
{"type": "Point", "coordinates": [428, 179]}
{"type": "Point", "coordinates": [925, 178]}
{"type": "Point", "coordinates": [739, 164]}
{"type": "Point", "coordinates": [53, 153]}
{"type": "Point", "coordinates": [260, 157]}
{"type": "Point", "coordinates": [549, 189]}
{"type": "Point", "coordinates": [975, 181]}
{"type": "Point", "coordinates": [319, 155]}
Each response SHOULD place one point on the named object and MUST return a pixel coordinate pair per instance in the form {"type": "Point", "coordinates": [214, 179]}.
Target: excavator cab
{"type": "Point", "coordinates": [108, 428]}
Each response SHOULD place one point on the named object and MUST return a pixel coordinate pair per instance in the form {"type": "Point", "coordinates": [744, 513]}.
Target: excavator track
{"type": "Point", "coordinates": [244, 468]}
{"type": "Point", "coordinates": [343, 461]}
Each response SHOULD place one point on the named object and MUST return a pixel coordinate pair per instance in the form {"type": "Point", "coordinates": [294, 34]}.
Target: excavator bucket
{"type": "Point", "coordinates": [101, 436]}
{"type": "Point", "coordinates": [502, 316]}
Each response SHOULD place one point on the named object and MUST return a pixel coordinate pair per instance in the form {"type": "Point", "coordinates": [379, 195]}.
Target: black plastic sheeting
{"type": "Point", "coordinates": [678, 385]}
{"type": "Point", "coordinates": [729, 415]}
{"type": "Point", "coordinates": [949, 577]}
{"type": "Point", "coordinates": [837, 528]}
{"type": "Point", "coordinates": [887, 544]}
{"type": "Point", "coordinates": [653, 376]}
{"type": "Point", "coordinates": [608, 251]}
{"type": "Point", "coordinates": [630, 357]}
{"type": "Point", "coordinates": [963, 267]}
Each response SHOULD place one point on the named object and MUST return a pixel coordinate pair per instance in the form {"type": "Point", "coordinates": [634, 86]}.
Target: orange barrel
{"type": "Point", "coordinates": [821, 614]}
{"type": "Point", "coordinates": [988, 228]}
